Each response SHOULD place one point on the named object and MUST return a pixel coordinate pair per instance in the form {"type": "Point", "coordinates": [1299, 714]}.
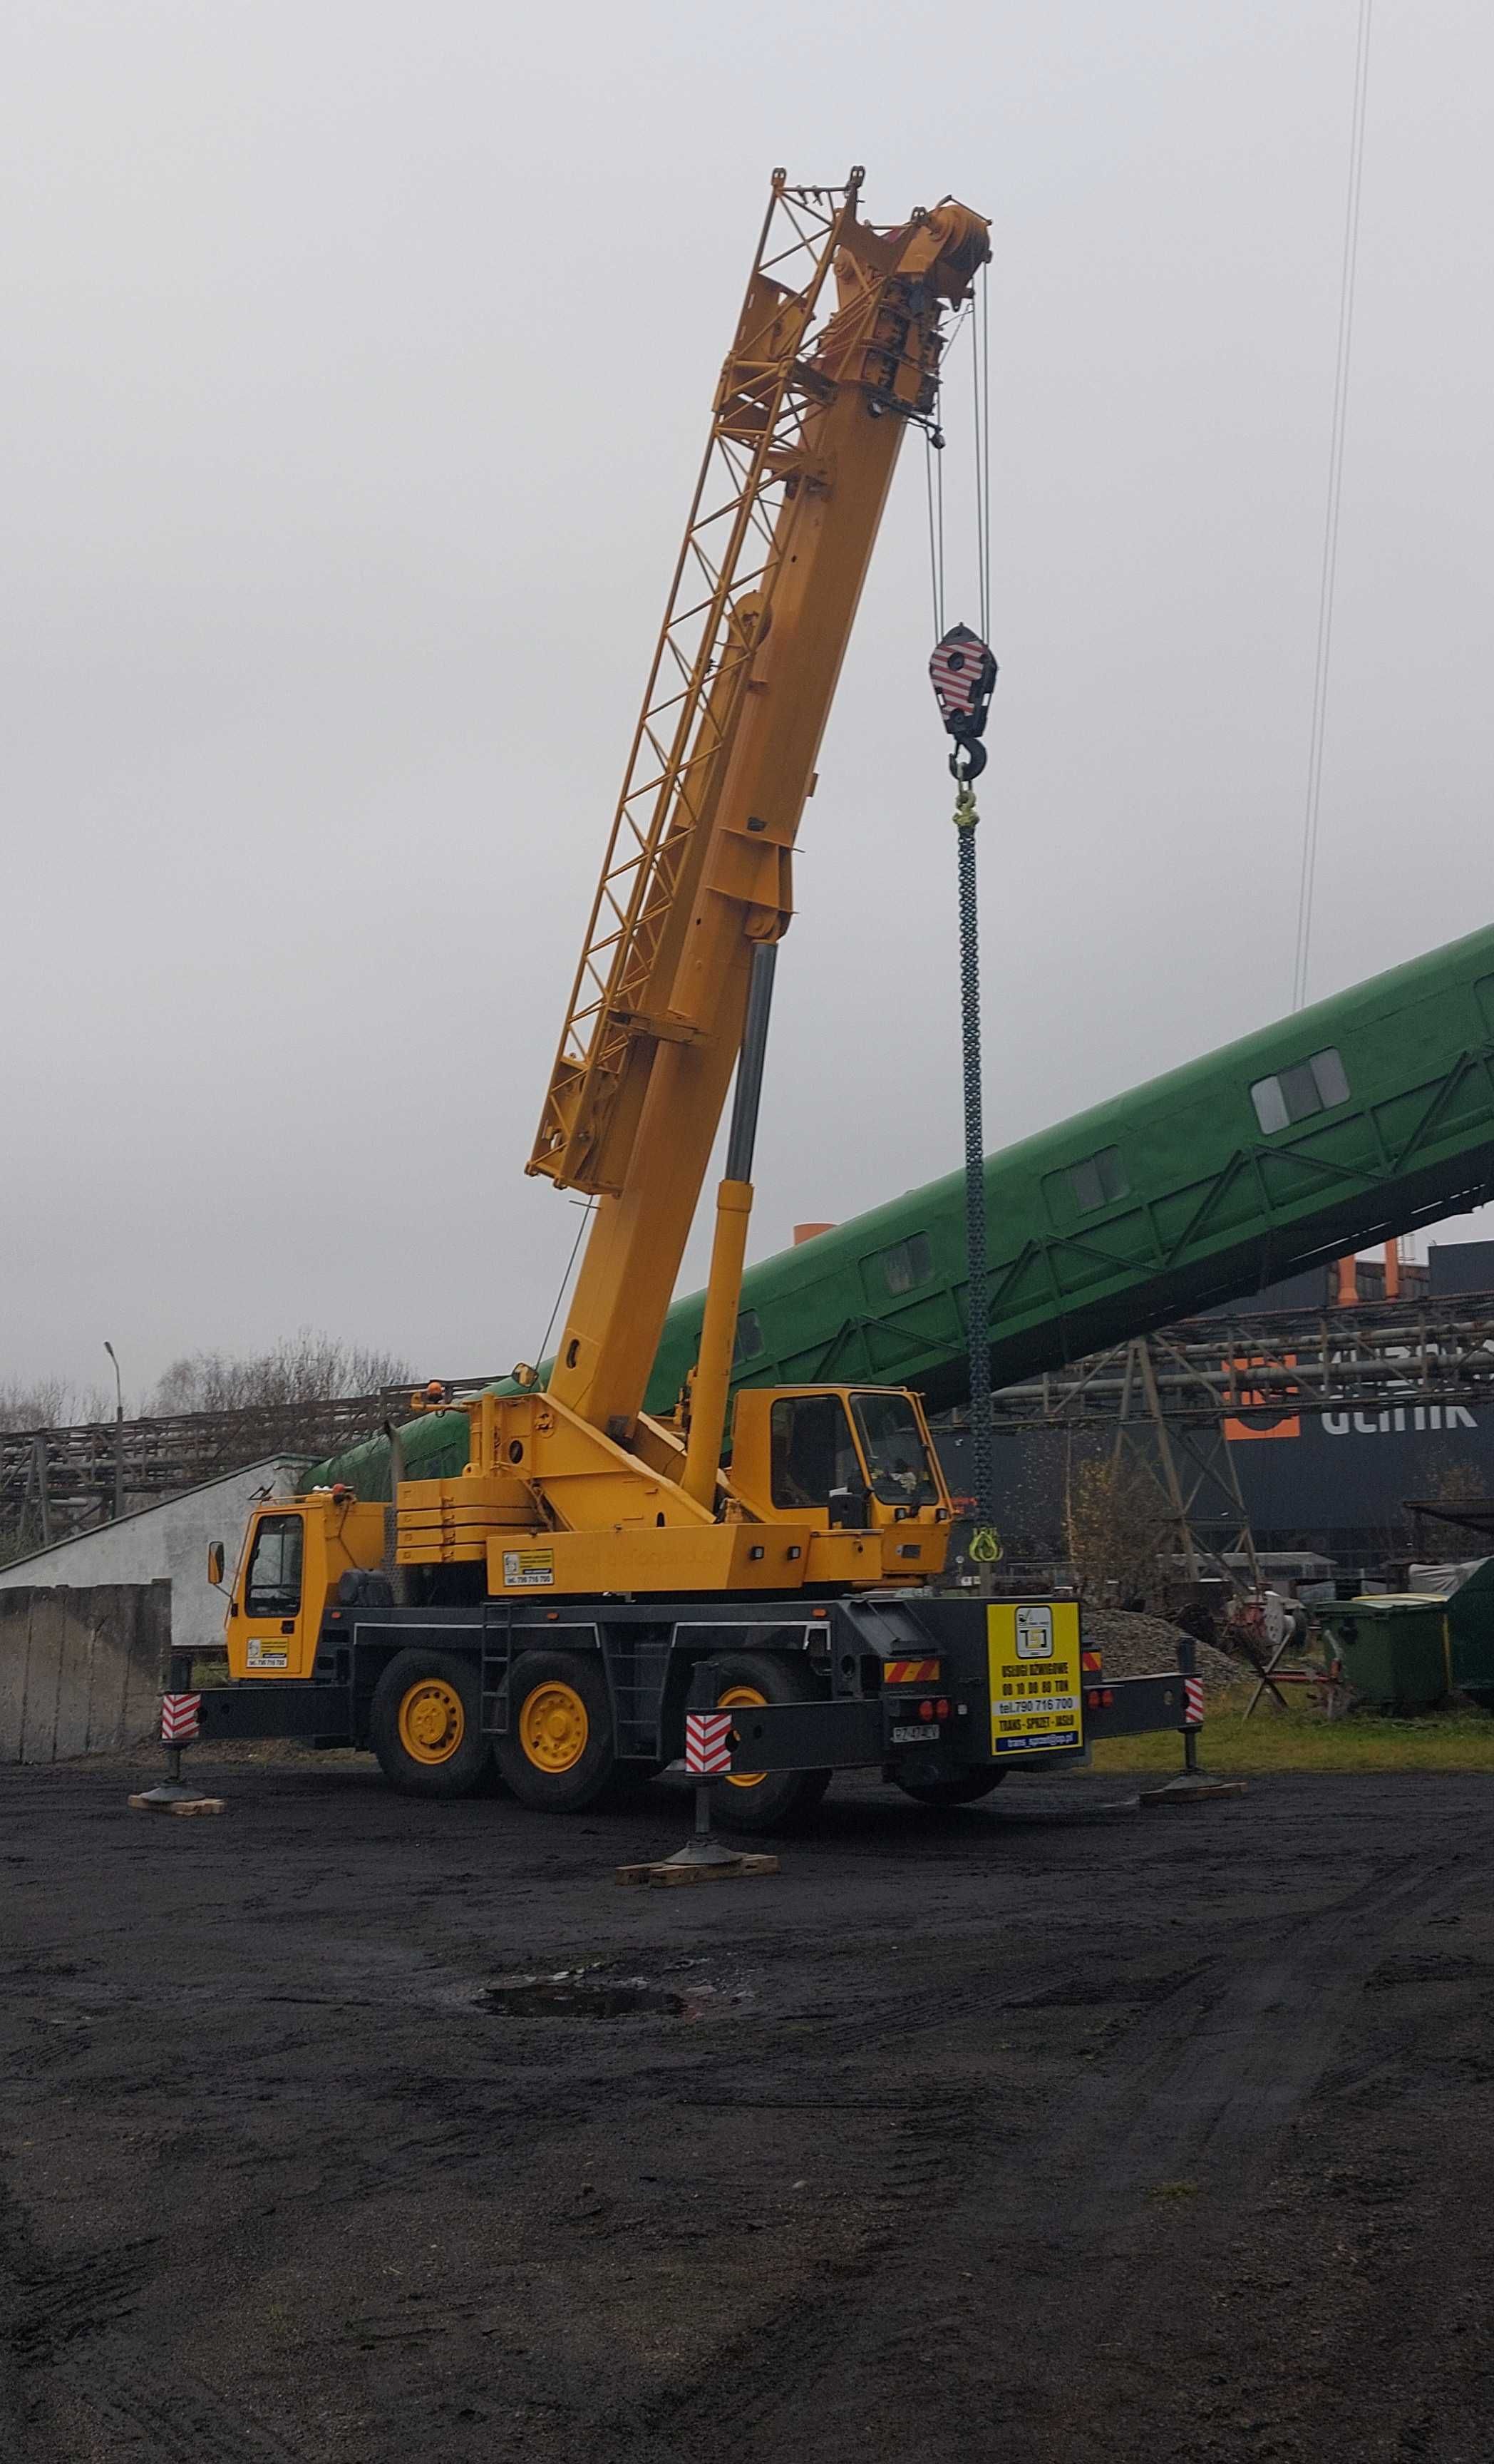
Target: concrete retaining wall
{"type": "Point", "coordinates": [80, 1669]}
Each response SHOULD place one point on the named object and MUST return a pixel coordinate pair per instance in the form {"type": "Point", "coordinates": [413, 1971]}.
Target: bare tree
{"type": "Point", "coordinates": [1118, 1529]}
{"type": "Point", "coordinates": [284, 1402]}
{"type": "Point", "coordinates": [51, 1403]}
{"type": "Point", "coordinates": [304, 1368]}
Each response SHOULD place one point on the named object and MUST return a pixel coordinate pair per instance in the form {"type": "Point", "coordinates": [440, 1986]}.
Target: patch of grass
{"type": "Point", "coordinates": [1297, 1740]}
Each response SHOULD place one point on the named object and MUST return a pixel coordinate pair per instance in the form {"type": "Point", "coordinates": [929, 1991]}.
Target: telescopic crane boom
{"type": "Point", "coordinates": [837, 348]}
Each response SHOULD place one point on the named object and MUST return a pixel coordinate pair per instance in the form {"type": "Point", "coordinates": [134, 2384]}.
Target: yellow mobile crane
{"type": "Point", "coordinates": [554, 1603]}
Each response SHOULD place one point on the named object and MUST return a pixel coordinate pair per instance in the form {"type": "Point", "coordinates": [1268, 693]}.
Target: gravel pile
{"type": "Point", "coordinates": [1145, 1646]}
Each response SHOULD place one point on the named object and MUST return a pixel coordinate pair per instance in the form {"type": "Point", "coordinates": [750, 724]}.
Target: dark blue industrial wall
{"type": "Point", "coordinates": [1335, 1483]}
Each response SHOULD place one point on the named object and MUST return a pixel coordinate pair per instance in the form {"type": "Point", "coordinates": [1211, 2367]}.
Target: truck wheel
{"type": "Point", "coordinates": [558, 1754]}
{"type": "Point", "coordinates": [765, 1800]}
{"type": "Point", "coordinates": [424, 1723]}
{"type": "Point", "coordinates": [967, 1790]}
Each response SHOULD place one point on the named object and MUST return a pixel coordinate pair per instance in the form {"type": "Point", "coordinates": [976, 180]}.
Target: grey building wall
{"type": "Point", "coordinates": [1455, 1267]}
{"type": "Point", "coordinates": [81, 1671]}
{"type": "Point", "coordinates": [165, 1543]}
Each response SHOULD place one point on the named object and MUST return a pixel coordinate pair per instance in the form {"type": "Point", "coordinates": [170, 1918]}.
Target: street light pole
{"type": "Point", "coordinates": [119, 1434]}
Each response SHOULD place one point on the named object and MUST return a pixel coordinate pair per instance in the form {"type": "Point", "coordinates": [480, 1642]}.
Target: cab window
{"type": "Point", "coordinates": [897, 1458]}
{"type": "Point", "coordinates": [274, 1586]}
{"type": "Point", "coordinates": [906, 1264]}
{"type": "Point", "coordinates": [813, 1452]}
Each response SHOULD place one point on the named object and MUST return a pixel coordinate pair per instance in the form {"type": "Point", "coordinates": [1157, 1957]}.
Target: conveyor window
{"type": "Point", "coordinates": [1296, 1093]}
{"type": "Point", "coordinates": [906, 1264]}
{"type": "Point", "coordinates": [751, 1342]}
{"type": "Point", "coordinates": [1099, 1181]}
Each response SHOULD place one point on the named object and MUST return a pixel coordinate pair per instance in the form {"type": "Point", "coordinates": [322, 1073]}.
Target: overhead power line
{"type": "Point", "coordinates": [1335, 482]}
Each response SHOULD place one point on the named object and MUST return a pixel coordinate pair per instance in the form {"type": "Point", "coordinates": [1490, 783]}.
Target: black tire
{"type": "Point", "coordinates": [457, 1766]}
{"type": "Point", "coordinates": [779, 1801]}
{"type": "Point", "coordinates": [967, 1790]}
{"type": "Point", "coordinates": [566, 1787]}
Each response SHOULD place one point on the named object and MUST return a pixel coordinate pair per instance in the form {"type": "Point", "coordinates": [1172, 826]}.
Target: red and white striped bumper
{"type": "Point", "coordinates": [707, 1748]}
{"type": "Point", "coordinates": [179, 1718]}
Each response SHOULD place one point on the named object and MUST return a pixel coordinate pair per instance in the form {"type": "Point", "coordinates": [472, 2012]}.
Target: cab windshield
{"type": "Point", "coordinates": [813, 1455]}
{"type": "Point", "coordinates": [897, 1459]}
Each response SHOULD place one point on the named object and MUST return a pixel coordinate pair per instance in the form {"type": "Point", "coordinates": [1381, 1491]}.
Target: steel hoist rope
{"type": "Point", "coordinates": [963, 670]}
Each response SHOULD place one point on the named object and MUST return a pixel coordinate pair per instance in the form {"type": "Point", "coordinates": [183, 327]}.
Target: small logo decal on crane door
{"type": "Point", "coordinates": [523, 1567]}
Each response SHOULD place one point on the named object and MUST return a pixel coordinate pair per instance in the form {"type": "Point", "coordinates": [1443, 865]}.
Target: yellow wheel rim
{"type": "Point", "coordinates": [553, 1726]}
{"type": "Point", "coordinates": [744, 1698]}
{"type": "Point", "coordinates": [433, 1722]}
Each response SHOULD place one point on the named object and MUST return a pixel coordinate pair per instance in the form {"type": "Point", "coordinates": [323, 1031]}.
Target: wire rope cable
{"type": "Point", "coordinates": [934, 483]}
{"type": "Point", "coordinates": [1312, 805]}
{"type": "Point", "coordinates": [588, 1209]}
{"type": "Point", "coordinates": [981, 404]}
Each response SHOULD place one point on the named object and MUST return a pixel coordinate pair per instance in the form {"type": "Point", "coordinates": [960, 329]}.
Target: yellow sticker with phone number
{"type": "Point", "coordinates": [1037, 1697]}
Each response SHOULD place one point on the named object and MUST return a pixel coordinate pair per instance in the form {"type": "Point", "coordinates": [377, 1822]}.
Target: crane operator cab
{"type": "Point", "coordinates": [839, 1458]}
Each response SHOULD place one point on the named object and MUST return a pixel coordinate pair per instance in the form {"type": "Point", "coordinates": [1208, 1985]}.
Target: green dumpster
{"type": "Point", "coordinates": [1395, 1649]}
{"type": "Point", "coordinates": [1470, 1621]}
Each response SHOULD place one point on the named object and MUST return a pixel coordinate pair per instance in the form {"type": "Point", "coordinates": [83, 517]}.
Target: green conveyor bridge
{"type": "Point", "coordinates": [1351, 1122]}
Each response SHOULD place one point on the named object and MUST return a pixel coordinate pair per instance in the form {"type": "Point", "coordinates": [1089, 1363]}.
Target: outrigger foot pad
{"type": "Point", "coordinates": [699, 1860]}
{"type": "Point", "coordinates": [1193, 1788]}
{"type": "Point", "coordinates": [171, 1798]}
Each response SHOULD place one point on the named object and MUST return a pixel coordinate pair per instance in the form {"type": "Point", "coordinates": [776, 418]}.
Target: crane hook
{"type": "Point", "coordinates": [962, 672]}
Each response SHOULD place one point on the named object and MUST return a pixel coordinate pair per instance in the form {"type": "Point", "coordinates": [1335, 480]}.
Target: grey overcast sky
{"type": "Point", "coordinates": [357, 365]}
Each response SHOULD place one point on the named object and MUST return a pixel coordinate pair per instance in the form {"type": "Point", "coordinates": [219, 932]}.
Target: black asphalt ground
{"type": "Point", "coordinates": [1031, 2133]}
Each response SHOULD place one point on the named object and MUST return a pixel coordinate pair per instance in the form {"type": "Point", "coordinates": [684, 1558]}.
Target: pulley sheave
{"type": "Point", "coordinates": [962, 672]}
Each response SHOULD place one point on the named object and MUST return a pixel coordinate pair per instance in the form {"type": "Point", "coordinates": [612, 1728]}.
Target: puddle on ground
{"type": "Point", "coordinates": [578, 1997]}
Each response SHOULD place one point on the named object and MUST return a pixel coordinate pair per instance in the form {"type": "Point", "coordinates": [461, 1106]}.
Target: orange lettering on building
{"type": "Point", "coordinates": [1250, 1400]}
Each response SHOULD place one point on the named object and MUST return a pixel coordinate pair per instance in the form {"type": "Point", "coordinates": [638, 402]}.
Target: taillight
{"type": "Point", "coordinates": [926, 1710]}
{"type": "Point", "coordinates": [941, 1708]}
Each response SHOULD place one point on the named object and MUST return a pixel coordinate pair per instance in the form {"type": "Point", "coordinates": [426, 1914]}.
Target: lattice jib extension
{"type": "Point", "coordinates": [722, 589]}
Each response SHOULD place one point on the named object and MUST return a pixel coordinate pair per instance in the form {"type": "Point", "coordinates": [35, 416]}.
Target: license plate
{"type": "Point", "coordinates": [921, 1733]}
